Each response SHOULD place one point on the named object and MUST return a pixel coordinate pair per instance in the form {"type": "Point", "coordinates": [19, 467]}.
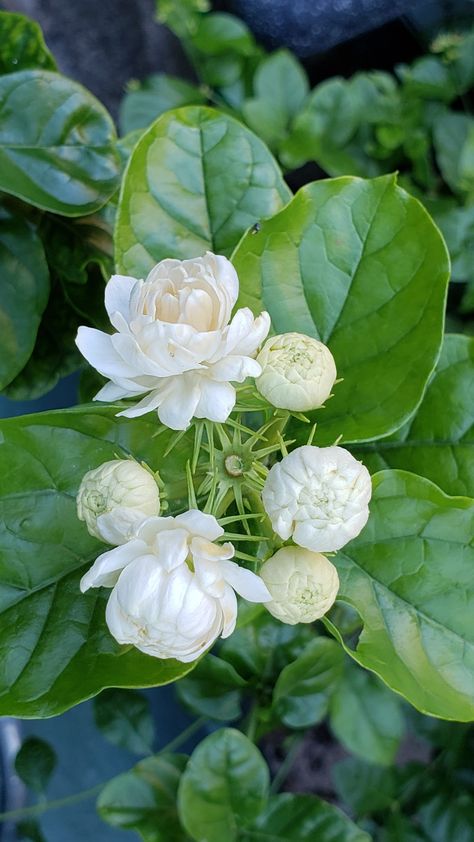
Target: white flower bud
{"type": "Point", "coordinates": [115, 497]}
{"type": "Point", "coordinates": [303, 585]}
{"type": "Point", "coordinates": [298, 372]}
{"type": "Point", "coordinates": [319, 496]}
{"type": "Point", "coordinates": [173, 587]}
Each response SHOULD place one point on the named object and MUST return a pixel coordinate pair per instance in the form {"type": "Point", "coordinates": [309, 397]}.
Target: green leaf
{"type": "Point", "coordinates": [453, 138]}
{"type": "Point", "coordinates": [366, 717]}
{"type": "Point", "coordinates": [213, 690]}
{"type": "Point", "coordinates": [182, 16]}
{"type": "Point", "coordinates": [147, 100]}
{"type": "Point", "coordinates": [124, 718]}
{"type": "Point", "coordinates": [446, 818]}
{"type": "Point", "coordinates": [29, 829]}
{"type": "Point", "coordinates": [24, 289]}
{"type": "Point", "coordinates": [304, 688]}
{"type": "Point", "coordinates": [333, 128]}
{"type": "Point", "coordinates": [281, 79]}
{"type": "Point", "coordinates": [365, 788]}
{"type": "Point", "coordinates": [409, 576]}
{"type": "Point", "coordinates": [62, 158]}
{"type": "Point", "coordinates": [55, 648]}
{"type": "Point", "coordinates": [457, 227]}
{"type": "Point", "coordinates": [196, 180]}
{"type": "Point", "coordinates": [428, 78]}
{"type": "Point", "coordinates": [260, 649]}
{"type": "Point", "coordinates": [438, 442]}
{"type": "Point", "coordinates": [302, 818]}
{"type": "Point", "coordinates": [22, 45]}
{"type": "Point", "coordinates": [35, 763]}
{"type": "Point", "coordinates": [361, 266]}
{"type": "Point", "coordinates": [144, 799]}
{"type": "Point", "coordinates": [224, 785]}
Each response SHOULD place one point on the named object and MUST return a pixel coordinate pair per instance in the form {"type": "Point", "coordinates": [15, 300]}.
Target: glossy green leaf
{"type": "Point", "coordinates": [366, 717]}
{"type": "Point", "coordinates": [359, 265]}
{"type": "Point", "coordinates": [55, 648]}
{"type": "Point", "coordinates": [124, 718]}
{"type": "Point", "coordinates": [304, 687]}
{"type": "Point", "coordinates": [262, 648]}
{"type": "Point", "coordinates": [453, 138]}
{"type": "Point", "coordinates": [213, 689]}
{"type": "Point", "coordinates": [224, 785]}
{"type": "Point", "coordinates": [196, 180]}
{"type": "Point", "coordinates": [446, 818]}
{"type": "Point", "coordinates": [409, 576]}
{"type": "Point", "coordinates": [35, 762]}
{"type": "Point", "coordinates": [144, 799]}
{"type": "Point", "coordinates": [438, 442]}
{"type": "Point", "coordinates": [302, 818]}
{"type": "Point", "coordinates": [364, 787]}
{"type": "Point", "coordinates": [62, 158]}
{"type": "Point", "coordinates": [280, 87]}
{"type": "Point", "coordinates": [147, 100]}
{"type": "Point", "coordinates": [22, 44]}
{"type": "Point", "coordinates": [24, 289]}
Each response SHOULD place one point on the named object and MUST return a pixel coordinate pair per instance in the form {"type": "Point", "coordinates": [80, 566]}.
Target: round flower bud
{"type": "Point", "coordinates": [303, 585]}
{"type": "Point", "coordinates": [319, 496]}
{"type": "Point", "coordinates": [298, 372]}
{"type": "Point", "coordinates": [115, 497]}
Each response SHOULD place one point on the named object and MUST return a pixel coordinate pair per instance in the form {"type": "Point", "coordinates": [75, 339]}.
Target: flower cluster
{"type": "Point", "coordinates": [173, 582]}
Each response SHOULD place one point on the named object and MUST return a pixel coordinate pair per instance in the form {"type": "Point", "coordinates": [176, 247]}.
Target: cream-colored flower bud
{"type": "Point", "coordinates": [298, 372]}
{"type": "Point", "coordinates": [303, 585]}
{"type": "Point", "coordinates": [115, 497]}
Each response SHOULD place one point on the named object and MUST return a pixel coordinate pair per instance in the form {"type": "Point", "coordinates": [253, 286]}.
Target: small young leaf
{"type": "Point", "coordinates": [213, 689]}
{"type": "Point", "coordinates": [224, 785]}
{"type": "Point", "coordinates": [35, 763]}
{"type": "Point", "coordinates": [366, 717]}
{"type": "Point", "coordinates": [124, 718]}
{"type": "Point", "coordinates": [22, 45]}
{"type": "Point", "coordinates": [144, 799]}
{"type": "Point", "coordinates": [146, 101]}
{"type": "Point", "coordinates": [304, 687]}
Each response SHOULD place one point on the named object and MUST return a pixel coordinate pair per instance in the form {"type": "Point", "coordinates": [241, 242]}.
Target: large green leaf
{"type": "Point", "coordinates": [55, 648]}
{"type": "Point", "coordinates": [438, 442]}
{"type": "Point", "coordinates": [22, 44]}
{"type": "Point", "coordinates": [62, 158]}
{"type": "Point", "coordinates": [361, 266]}
{"type": "Point", "coordinates": [144, 799]}
{"type": "Point", "coordinates": [224, 785]}
{"type": "Point", "coordinates": [24, 288]}
{"type": "Point", "coordinates": [302, 818]}
{"type": "Point", "coordinates": [196, 180]}
{"type": "Point", "coordinates": [409, 576]}
{"type": "Point", "coordinates": [304, 687]}
{"type": "Point", "coordinates": [366, 717]}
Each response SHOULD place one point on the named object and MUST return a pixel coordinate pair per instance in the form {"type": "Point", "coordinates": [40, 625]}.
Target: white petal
{"type": "Point", "coordinates": [119, 525]}
{"type": "Point", "coordinates": [147, 404]}
{"type": "Point", "coordinates": [97, 348]}
{"type": "Point", "coordinates": [180, 401]}
{"type": "Point", "coordinates": [171, 548]}
{"type": "Point", "coordinates": [235, 368]}
{"type": "Point", "coordinates": [200, 523]}
{"type": "Point", "coordinates": [216, 400]}
{"type": "Point", "coordinates": [128, 349]}
{"type": "Point", "coordinates": [107, 567]}
{"type": "Point", "coordinates": [229, 610]}
{"type": "Point", "coordinates": [117, 298]}
{"type": "Point", "coordinates": [246, 583]}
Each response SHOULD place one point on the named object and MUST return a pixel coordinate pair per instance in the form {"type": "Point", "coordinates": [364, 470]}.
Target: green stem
{"type": "Point", "coordinates": [183, 736]}
{"type": "Point", "coordinates": [252, 723]}
{"type": "Point", "coordinates": [285, 767]}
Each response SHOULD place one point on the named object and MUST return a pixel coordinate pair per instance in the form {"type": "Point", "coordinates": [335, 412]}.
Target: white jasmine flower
{"type": "Point", "coordinates": [175, 342]}
{"type": "Point", "coordinates": [173, 587]}
{"type": "Point", "coordinates": [319, 496]}
{"type": "Point", "coordinates": [115, 497]}
{"type": "Point", "coordinates": [298, 372]}
{"type": "Point", "coordinates": [303, 585]}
